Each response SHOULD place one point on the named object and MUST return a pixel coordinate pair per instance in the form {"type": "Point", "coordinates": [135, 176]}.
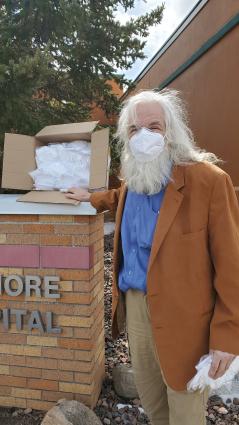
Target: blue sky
{"type": "Point", "coordinates": [174, 13]}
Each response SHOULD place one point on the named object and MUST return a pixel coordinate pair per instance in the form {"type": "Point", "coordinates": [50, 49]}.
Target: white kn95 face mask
{"type": "Point", "coordinates": [146, 145]}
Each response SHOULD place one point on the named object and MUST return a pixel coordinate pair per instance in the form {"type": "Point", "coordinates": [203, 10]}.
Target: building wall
{"type": "Point", "coordinates": [210, 85]}
{"type": "Point", "coordinates": [98, 114]}
{"type": "Point", "coordinates": [37, 367]}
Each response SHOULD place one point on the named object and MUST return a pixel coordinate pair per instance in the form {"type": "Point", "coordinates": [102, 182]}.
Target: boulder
{"type": "Point", "coordinates": [70, 412]}
{"type": "Point", "coordinates": [123, 380]}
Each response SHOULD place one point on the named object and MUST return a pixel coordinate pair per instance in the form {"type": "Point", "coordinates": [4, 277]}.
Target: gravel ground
{"type": "Point", "coordinates": [218, 413]}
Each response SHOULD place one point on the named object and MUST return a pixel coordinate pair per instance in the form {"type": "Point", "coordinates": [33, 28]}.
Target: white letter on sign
{"type": "Point", "coordinates": [49, 286]}
{"type": "Point", "coordinates": [9, 290]}
{"type": "Point", "coordinates": [33, 282]}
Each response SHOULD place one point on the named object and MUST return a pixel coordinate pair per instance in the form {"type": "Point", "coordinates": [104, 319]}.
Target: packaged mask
{"type": "Point", "coordinates": [146, 145]}
{"type": "Point", "coordinates": [62, 165]}
{"type": "Point", "coordinates": [201, 379]}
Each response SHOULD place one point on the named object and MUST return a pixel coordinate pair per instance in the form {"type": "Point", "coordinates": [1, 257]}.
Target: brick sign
{"type": "Point", "coordinates": [52, 309]}
{"type": "Point", "coordinates": [29, 285]}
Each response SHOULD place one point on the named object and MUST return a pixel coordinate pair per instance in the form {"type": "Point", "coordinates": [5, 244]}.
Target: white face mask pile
{"type": "Point", "coordinates": [201, 380]}
{"type": "Point", "coordinates": [146, 145]}
{"type": "Point", "coordinates": [62, 165]}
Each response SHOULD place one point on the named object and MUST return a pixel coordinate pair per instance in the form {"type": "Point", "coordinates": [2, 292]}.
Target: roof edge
{"type": "Point", "coordinates": [181, 27]}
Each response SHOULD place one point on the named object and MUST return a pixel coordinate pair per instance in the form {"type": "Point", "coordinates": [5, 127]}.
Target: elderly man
{"type": "Point", "coordinates": [176, 256]}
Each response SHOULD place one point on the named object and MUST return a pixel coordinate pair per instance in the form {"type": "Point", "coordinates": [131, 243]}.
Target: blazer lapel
{"type": "Point", "coordinates": [120, 207]}
{"type": "Point", "coordinates": [170, 206]}
{"type": "Point", "coordinates": [119, 215]}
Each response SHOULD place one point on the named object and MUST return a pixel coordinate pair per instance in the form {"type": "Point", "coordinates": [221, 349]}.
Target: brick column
{"type": "Point", "coordinates": [38, 368]}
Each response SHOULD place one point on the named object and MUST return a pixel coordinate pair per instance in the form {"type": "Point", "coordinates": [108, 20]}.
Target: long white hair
{"type": "Point", "coordinates": [178, 135]}
{"type": "Point", "coordinates": [180, 148]}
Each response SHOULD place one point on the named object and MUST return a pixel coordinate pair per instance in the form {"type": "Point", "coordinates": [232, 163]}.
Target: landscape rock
{"type": "Point", "coordinates": [70, 412]}
{"type": "Point", "coordinates": [123, 380]}
{"type": "Point", "coordinates": [27, 411]}
{"type": "Point", "coordinates": [222, 410]}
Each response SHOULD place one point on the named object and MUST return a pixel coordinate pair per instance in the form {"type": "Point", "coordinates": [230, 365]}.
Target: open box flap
{"type": "Point", "coordinates": [18, 160]}
{"type": "Point", "coordinates": [67, 132]}
{"type": "Point", "coordinates": [99, 159]}
{"type": "Point", "coordinates": [47, 196]}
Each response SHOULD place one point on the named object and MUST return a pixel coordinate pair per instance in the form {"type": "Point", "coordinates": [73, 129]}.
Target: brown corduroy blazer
{"type": "Point", "coordinates": [193, 271]}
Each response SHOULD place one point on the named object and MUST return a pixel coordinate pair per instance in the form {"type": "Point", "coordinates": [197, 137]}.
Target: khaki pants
{"type": "Point", "coordinates": [162, 404]}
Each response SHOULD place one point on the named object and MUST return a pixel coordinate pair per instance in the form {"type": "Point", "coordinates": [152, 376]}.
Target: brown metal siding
{"type": "Point", "coordinates": [208, 21]}
{"type": "Point", "coordinates": [211, 89]}
{"type": "Point", "coordinates": [211, 85]}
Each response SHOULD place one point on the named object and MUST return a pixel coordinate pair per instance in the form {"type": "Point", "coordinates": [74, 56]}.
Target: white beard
{"type": "Point", "coordinates": [145, 177]}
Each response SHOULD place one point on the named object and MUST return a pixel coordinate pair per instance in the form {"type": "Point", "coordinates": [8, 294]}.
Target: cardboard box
{"type": "Point", "coordinates": [19, 159]}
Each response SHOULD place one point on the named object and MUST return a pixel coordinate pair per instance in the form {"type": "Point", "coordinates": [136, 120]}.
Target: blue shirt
{"type": "Point", "coordinates": [137, 230]}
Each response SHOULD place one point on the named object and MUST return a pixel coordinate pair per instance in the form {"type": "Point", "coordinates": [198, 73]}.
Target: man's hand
{"type": "Point", "coordinates": [78, 194]}
{"type": "Point", "coordinates": [220, 363]}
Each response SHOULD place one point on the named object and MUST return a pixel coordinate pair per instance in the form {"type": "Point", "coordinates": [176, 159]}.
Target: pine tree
{"type": "Point", "coordinates": [56, 56]}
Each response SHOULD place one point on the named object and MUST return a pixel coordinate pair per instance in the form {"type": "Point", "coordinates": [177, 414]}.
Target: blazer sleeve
{"type": "Point", "coordinates": [105, 200]}
{"type": "Point", "coordinates": [224, 248]}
